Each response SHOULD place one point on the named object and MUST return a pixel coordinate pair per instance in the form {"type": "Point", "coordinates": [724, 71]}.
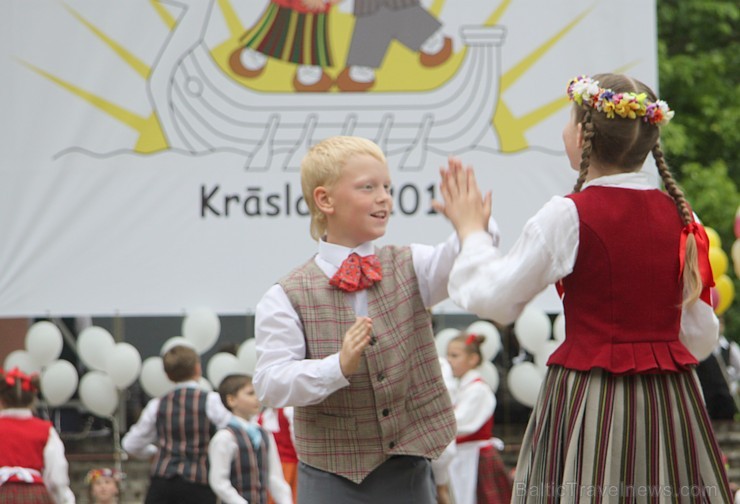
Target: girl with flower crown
{"type": "Point", "coordinates": [103, 485]}
{"type": "Point", "coordinates": [477, 473]}
{"type": "Point", "coordinates": [33, 468]}
{"type": "Point", "coordinates": [620, 416]}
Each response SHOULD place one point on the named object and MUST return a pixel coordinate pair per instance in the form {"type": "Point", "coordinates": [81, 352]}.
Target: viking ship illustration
{"type": "Point", "coordinates": [203, 109]}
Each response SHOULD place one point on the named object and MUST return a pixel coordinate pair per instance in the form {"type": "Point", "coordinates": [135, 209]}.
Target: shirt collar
{"type": "Point", "coordinates": [16, 413]}
{"type": "Point", "coordinates": [334, 254]}
{"type": "Point", "coordinates": [631, 180]}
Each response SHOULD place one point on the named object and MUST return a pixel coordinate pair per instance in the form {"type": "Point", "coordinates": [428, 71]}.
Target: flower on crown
{"type": "Point", "coordinates": [587, 92]}
{"type": "Point", "coordinates": [105, 472]}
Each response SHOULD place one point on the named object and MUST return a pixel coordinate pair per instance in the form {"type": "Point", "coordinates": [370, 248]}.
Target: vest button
{"type": "Point", "coordinates": [386, 412]}
{"type": "Point", "coordinates": [391, 445]}
{"type": "Point", "coordinates": [381, 377]}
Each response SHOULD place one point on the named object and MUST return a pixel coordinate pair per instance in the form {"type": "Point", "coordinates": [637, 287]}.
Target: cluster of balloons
{"type": "Point", "coordinates": [534, 333]}
{"type": "Point", "coordinates": [723, 292]}
{"type": "Point", "coordinates": [113, 367]}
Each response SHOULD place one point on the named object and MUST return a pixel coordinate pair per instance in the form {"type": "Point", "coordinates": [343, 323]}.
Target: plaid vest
{"type": "Point", "coordinates": [397, 402]}
{"type": "Point", "coordinates": [249, 467]}
{"type": "Point", "coordinates": [183, 434]}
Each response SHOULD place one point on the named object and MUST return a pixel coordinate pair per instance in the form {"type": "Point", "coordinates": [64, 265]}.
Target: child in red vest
{"type": "Point", "coordinates": [620, 414]}
{"type": "Point", "coordinates": [477, 472]}
{"type": "Point", "coordinates": [33, 468]}
{"type": "Point", "coordinates": [279, 422]}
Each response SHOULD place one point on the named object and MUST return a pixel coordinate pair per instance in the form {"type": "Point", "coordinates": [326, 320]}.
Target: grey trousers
{"type": "Point", "coordinates": [373, 33]}
{"type": "Point", "coordinates": [399, 480]}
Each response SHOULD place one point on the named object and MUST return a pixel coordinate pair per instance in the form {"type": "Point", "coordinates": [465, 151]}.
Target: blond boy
{"type": "Point", "coordinates": [347, 339]}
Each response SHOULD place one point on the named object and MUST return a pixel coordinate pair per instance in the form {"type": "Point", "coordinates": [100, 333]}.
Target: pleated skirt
{"type": "Point", "coordinates": [595, 437]}
{"type": "Point", "coordinates": [24, 493]}
{"type": "Point", "coordinates": [288, 35]}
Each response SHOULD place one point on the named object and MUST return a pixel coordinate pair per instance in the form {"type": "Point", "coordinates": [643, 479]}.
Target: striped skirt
{"type": "Point", "coordinates": [596, 437]}
{"type": "Point", "coordinates": [288, 35]}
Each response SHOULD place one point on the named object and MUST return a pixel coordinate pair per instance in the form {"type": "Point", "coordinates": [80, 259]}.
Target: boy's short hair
{"type": "Point", "coordinates": [322, 166]}
{"type": "Point", "coordinates": [180, 363]}
{"type": "Point", "coordinates": [231, 384]}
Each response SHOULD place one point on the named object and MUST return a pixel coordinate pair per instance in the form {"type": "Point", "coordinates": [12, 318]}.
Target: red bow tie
{"type": "Point", "coordinates": [357, 273]}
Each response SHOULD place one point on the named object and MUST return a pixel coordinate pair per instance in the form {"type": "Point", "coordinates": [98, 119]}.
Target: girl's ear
{"type": "Point", "coordinates": [323, 200]}
{"type": "Point", "coordinates": [579, 138]}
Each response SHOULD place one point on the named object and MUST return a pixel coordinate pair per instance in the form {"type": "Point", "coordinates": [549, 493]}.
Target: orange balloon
{"type": "Point", "coordinates": [726, 290]}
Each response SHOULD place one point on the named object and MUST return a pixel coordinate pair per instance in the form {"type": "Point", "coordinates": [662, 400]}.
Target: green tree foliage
{"type": "Point", "coordinates": [699, 68]}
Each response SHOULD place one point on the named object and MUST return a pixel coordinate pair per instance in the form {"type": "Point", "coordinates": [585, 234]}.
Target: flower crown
{"type": "Point", "coordinates": [586, 92]}
{"type": "Point", "coordinates": [106, 472]}
{"type": "Point", "coordinates": [15, 375]}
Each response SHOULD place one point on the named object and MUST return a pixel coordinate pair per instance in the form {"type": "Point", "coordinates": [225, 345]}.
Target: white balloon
{"type": "Point", "coordinates": [532, 328]}
{"type": "Point", "coordinates": [22, 360]}
{"type": "Point", "coordinates": [247, 356]}
{"type": "Point", "coordinates": [175, 341]}
{"type": "Point", "coordinates": [221, 365]}
{"type": "Point", "coordinates": [202, 328]}
{"type": "Point", "coordinates": [489, 373]}
{"type": "Point", "coordinates": [205, 384]}
{"type": "Point", "coordinates": [558, 327]}
{"type": "Point", "coordinates": [153, 379]}
{"type": "Point", "coordinates": [93, 346]}
{"type": "Point", "coordinates": [524, 382]}
{"type": "Point", "coordinates": [492, 344]}
{"type": "Point", "coordinates": [442, 339]}
{"type": "Point", "coordinates": [123, 364]}
{"type": "Point", "coordinates": [44, 342]}
{"type": "Point", "coordinates": [544, 353]}
{"type": "Point", "coordinates": [59, 382]}
{"type": "Point", "coordinates": [98, 393]}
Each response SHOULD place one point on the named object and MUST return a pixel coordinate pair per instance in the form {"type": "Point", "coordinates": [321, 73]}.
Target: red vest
{"type": "Point", "coordinates": [622, 302]}
{"type": "Point", "coordinates": [22, 443]}
{"type": "Point", "coordinates": [283, 439]}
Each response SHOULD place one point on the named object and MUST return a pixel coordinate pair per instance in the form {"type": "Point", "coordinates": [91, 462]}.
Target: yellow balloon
{"type": "Point", "coordinates": [726, 291]}
{"type": "Point", "coordinates": [714, 239]}
{"type": "Point", "coordinates": [718, 260]}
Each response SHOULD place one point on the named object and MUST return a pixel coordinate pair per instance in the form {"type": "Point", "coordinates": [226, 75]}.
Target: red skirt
{"type": "Point", "coordinates": [494, 482]}
{"type": "Point", "coordinates": [24, 493]}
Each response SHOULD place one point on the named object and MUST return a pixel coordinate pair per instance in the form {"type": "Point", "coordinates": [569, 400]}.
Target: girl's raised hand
{"type": "Point", "coordinates": [463, 205]}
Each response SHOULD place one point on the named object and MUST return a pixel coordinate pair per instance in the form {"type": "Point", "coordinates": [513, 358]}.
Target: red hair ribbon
{"type": "Point", "coordinates": [702, 248]}
{"type": "Point", "coordinates": [16, 374]}
{"type": "Point", "coordinates": [472, 338]}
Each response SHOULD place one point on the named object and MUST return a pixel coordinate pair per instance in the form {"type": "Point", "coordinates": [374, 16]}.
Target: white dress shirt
{"type": "Point", "coordinates": [498, 286]}
{"type": "Point", "coordinates": [56, 468]}
{"type": "Point", "coordinates": [139, 440]}
{"type": "Point", "coordinates": [221, 452]}
{"type": "Point", "coordinates": [283, 376]}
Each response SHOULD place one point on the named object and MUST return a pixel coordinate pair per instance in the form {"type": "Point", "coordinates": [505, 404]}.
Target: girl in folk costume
{"type": "Point", "coordinates": [620, 417]}
{"type": "Point", "coordinates": [103, 485]}
{"type": "Point", "coordinates": [279, 422]}
{"type": "Point", "coordinates": [477, 472]}
{"type": "Point", "coordinates": [33, 468]}
{"type": "Point", "coordinates": [295, 31]}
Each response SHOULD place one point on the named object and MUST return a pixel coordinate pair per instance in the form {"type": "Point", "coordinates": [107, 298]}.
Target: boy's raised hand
{"type": "Point", "coordinates": [355, 341]}
{"type": "Point", "coordinates": [463, 204]}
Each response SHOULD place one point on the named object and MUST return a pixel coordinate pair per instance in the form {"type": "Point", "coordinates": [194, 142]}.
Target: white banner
{"type": "Point", "coordinates": [142, 174]}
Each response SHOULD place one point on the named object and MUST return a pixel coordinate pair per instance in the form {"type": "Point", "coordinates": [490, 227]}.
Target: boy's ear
{"type": "Point", "coordinates": [323, 200]}
{"type": "Point", "coordinates": [230, 401]}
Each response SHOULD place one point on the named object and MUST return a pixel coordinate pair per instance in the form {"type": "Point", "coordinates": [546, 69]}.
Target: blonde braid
{"type": "Point", "coordinates": [691, 276]}
{"type": "Point", "coordinates": [588, 134]}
